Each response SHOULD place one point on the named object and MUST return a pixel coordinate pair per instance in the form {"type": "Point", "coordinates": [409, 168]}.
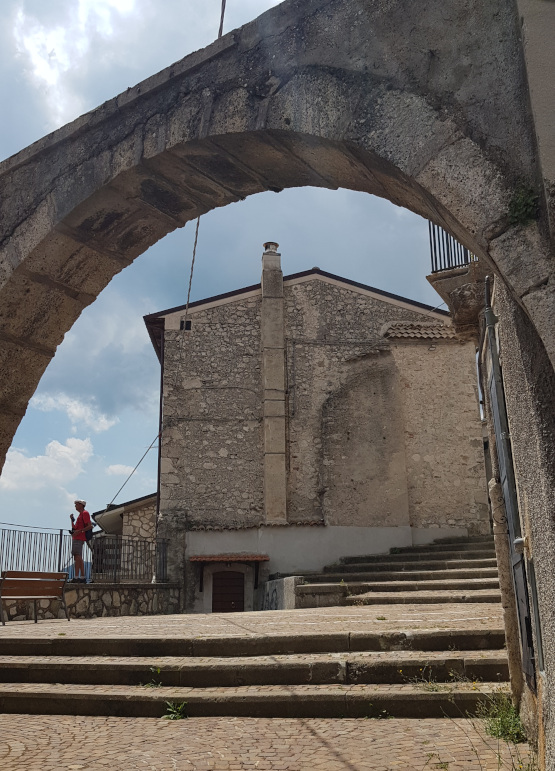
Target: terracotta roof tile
{"type": "Point", "coordinates": [426, 330]}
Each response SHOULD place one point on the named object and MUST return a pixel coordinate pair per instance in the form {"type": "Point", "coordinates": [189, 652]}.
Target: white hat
{"type": "Point", "coordinates": [83, 503]}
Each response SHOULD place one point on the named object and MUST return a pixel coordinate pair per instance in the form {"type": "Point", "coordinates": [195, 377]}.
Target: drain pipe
{"type": "Point", "coordinates": [500, 523]}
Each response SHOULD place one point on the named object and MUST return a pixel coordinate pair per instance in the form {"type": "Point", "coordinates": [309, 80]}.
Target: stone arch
{"type": "Point", "coordinates": [372, 97]}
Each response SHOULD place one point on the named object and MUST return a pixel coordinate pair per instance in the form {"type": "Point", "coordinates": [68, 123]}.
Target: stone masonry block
{"type": "Point", "coordinates": [272, 323]}
{"type": "Point", "coordinates": [274, 369]}
{"type": "Point", "coordinates": [274, 407]}
{"type": "Point", "coordinates": [272, 283]}
{"type": "Point", "coordinates": [274, 435]}
{"type": "Point", "coordinates": [275, 492]}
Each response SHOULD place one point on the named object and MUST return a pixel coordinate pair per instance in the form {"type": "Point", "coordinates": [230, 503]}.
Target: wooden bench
{"type": "Point", "coordinates": [28, 585]}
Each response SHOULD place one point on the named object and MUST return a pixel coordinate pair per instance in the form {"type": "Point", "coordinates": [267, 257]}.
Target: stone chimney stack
{"type": "Point", "coordinates": [273, 378]}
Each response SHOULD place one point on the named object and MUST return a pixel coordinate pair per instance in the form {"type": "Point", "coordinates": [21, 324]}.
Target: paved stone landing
{"type": "Point", "coordinates": [274, 690]}
{"type": "Point", "coordinates": [64, 743]}
{"type": "Point", "coordinates": [344, 620]}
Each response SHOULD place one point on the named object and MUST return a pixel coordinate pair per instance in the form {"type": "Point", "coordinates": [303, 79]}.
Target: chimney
{"type": "Point", "coordinates": [271, 256]}
{"type": "Point", "coordinates": [273, 377]}
{"type": "Point", "coordinates": [272, 277]}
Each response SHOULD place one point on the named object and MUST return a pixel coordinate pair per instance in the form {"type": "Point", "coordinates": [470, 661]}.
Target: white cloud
{"type": "Point", "coordinates": [60, 464]}
{"type": "Point", "coordinates": [54, 51]}
{"type": "Point", "coordinates": [119, 469]}
{"type": "Point", "coordinates": [122, 329]}
{"type": "Point", "coordinates": [77, 411]}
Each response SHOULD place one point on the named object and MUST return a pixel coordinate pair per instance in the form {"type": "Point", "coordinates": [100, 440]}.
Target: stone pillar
{"type": "Point", "coordinates": [273, 379]}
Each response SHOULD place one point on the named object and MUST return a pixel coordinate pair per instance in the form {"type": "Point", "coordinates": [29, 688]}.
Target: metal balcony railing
{"type": "Point", "coordinates": [108, 558]}
{"type": "Point", "coordinates": [446, 252]}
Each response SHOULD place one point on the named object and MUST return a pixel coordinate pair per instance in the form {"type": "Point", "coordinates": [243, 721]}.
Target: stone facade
{"type": "Point", "coordinates": [444, 448]}
{"type": "Point", "coordinates": [135, 518]}
{"type": "Point", "coordinates": [310, 418]}
{"type": "Point", "coordinates": [211, 465]}
{"type": "Point", "coordinates": [140, 521]}
{"type": "Point", "coordinates": [92, 601]}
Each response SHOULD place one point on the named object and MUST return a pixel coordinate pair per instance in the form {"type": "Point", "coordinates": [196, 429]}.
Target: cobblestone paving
{"type": "Point", "coordinates": [52, 742]}
{"type": "Point", "coordinates": [375, 618]}
{"type": "Point", "coordinates": [65, 743]}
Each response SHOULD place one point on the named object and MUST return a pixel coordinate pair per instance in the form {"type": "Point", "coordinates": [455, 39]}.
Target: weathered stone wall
{"type": "Point", "coordinates": [380, 432]}
{"type": "Point", "coordinates": [211, 467]}
{"type": "Point", "coordinates": [91, 601]}
{"type": "Point", "coordinates": [140, 522]}
{"type": "Point", "coordinates": [443, 434]}
{"type": "Point", "coordinates": [363, 472]}
{"type": "Point", "coordinates": [529, 383]}
{"type": "Point", "coordinates": [346, 408]}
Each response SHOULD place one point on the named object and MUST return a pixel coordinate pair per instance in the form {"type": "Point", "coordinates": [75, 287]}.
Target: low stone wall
{"type": "Point", "coordinates": [93, 600]}
{"type": "Point", "coordinates": [278, 594]}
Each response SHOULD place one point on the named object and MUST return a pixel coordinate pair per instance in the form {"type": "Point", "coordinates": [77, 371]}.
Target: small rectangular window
{"type": "Point", "coordinates": [185, 325]}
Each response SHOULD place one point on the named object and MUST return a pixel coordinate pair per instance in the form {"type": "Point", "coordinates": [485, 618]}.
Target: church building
{"type": "Point", "coordinates": [305, 419]}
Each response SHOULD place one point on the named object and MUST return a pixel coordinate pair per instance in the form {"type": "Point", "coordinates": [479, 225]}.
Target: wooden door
{"type": "Point", "coordinates": [228, 592]}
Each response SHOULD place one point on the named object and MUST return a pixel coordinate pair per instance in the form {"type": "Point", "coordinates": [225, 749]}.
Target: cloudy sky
{"type": "Point", "coordinates": [96, 409]}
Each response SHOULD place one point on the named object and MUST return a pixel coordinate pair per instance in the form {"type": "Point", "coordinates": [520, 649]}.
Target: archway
{"type": "Point", "coordinates": [392, 108]}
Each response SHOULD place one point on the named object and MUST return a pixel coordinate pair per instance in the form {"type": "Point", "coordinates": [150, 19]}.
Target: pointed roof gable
{"type": "Point", "coordinates": [155, 321]}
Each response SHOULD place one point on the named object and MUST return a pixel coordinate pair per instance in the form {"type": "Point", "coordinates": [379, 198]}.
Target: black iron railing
{"type": "Point", "coordinates": [33, 550]}
{"type": "Point", "coordinates": [107, 558]}
{"type": "Point", "coordinates": [446, 252]}
{"type": "Point", "coordinates": [124, 558]}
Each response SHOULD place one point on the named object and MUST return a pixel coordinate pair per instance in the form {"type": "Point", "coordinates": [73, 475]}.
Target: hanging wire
{"type": "Point", "coordinates": [220, 31]}
{"type": "Point", "coordinates": [184, 318]}
{"type": "Point", "coordinates": [136, 467]}
{"type": "Point", "coordinates": [32, 527]}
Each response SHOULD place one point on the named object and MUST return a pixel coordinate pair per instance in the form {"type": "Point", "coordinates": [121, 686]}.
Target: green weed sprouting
{"type": "Point", "coordinates": [523, 206]}
{"type": "Point", "coordinates": [501, 718]}
{"type": "Point", "coordinates": [176, 711]}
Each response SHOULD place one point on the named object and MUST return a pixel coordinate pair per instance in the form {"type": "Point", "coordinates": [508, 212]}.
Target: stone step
{"type": "Point", "coordinates": [222, 672]}
{"type": "Point", "coordinates": [410, 700]}
{"type": "Point", "coordinates": [428, 584]}
{"type": "Point", "coordinates": [400, 575]}
{"type": "Point", "coordinates": [422, 556]}
{"type": "Point", "coordinates": [330, 595]}
{"type": "Point", "coordinates": [448, 545]}
{"type": "Point", "coordinates": [472, 637]}
{"type": "Point", "coordinates": [466, 539]}
{"type": "Point", "coordinates": [422, 597]}
{"type": "Point", "coordinates": [408, 565]}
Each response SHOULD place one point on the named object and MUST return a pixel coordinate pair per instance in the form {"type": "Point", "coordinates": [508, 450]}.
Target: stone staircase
{"type": "Point", "coordinates": [411, 674]}
{"type": "Point", "coordinates": [382, 659]}
{"type": "Point", "coordinates": [446, 571]}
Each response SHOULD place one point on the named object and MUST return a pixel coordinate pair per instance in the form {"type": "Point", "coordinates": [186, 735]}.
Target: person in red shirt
{"type": "Point", "coordinates": [78, 529]}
